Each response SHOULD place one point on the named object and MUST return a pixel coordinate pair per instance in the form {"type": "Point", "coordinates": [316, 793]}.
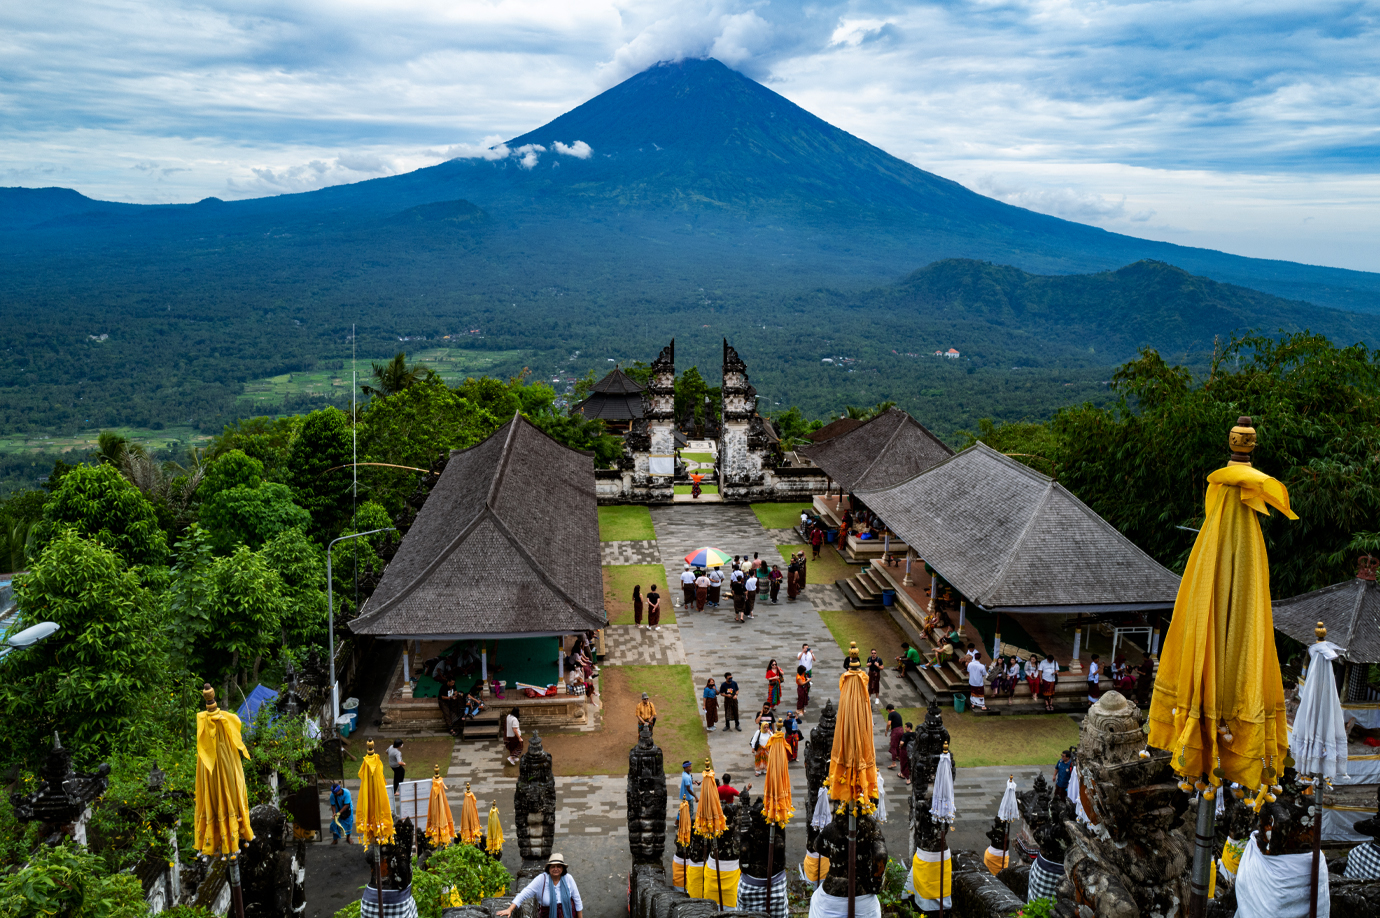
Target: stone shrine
{"type": "Point", "coordinates": [534, 803]}
{"type": "Point", "coordinates": [646, 800]}
{"type": "Point", "coordinates": [817, 749]}
{"type": "Point", "coordinates": [62, 798]}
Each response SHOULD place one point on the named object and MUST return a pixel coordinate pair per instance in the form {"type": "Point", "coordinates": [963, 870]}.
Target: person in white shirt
{"type": "Point", "coordinates": [1095, 679]}
{"type": "Point", "coordinates": [555, 891]}
{"type": "Point", "coordinates": [716, 582]}
{"type": "Point", "coordinates": [687, 588]}
{"type": "Point", "coordinates": [977, 682]}
{"type": "Point", "coordinates": [1049, 677]}
{"type": "Point", "coordinates": [750, 588]}
{"type": "Point", "coordinates": [701, 591]}
{"type": "Point", "coordinates": [806, 659]}
{"type": "Point", "coordinates": [395, 759]}
{"type": "Point", "coordinates": [512, 736]}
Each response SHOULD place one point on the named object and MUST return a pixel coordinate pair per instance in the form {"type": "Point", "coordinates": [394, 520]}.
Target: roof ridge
{"type": "Point", "coordinates": [1020, 539]}
{"type": "Point", "coordinates": [885, 446]}
{"type": "Point", "coordinates": [504, 455]}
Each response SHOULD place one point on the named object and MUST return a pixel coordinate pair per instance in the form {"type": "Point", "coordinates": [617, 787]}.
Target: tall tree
{"type": "Point", "coordinates": [240, 508]}
{"type": "Point", "coordinates": [395, 376]}
{"type": "Point", "coordinates": [100, 504]}
{"type": "Point", "coordinates": [86, 681]}
{"type": "Point", "coordinates": [247, 609]}
{"type": "Point", "coordinates": [318, 469]}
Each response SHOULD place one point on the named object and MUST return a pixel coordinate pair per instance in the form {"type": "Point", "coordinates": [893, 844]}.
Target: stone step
{"type": "Point", "coordinates": [855, 598]}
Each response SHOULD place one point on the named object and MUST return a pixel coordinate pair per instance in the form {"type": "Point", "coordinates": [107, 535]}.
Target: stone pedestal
{"type": "Point", "coordinates": [646, 801]}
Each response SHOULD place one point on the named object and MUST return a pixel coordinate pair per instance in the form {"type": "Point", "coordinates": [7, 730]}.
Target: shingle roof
{"type": "Point", "coordinates": [879, 453]}
{"type": "Point", "coordinates": [833, 429]}
{"type": "Point", "coordinates": [616, 397]}
{"type": "Point", "coordinates": [1350, 610]}
{"type": "Point", "coordinates": [506, 543]}
{"type": "Point", "coordinates": [1009, 538]}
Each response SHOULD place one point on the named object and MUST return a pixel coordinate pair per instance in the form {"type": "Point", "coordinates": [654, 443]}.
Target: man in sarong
{"type": "Point", "coordinates": [701, 591]}
{"type": "Point", "coordinates": [687, 587]}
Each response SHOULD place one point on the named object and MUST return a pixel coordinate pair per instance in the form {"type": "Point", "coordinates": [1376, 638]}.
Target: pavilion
{"type": "Point", "coordinates": [1012, 542]}
{"type": "Point", "coordinates": [616, 400]}
{"type": "Point", "coordinates": [502, 562]}
{"type": "Point", "coordinates": [879, 453]}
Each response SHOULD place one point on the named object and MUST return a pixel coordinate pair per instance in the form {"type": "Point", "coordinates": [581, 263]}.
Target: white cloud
{"type": "Point", "coordinates": [528, 154]}
{"type": "Point", "coordinates": [579, 149]}
{"type": "Point", "coordinates": [491, 148]}
{"type": "Point", "coordinates": [853, 32]}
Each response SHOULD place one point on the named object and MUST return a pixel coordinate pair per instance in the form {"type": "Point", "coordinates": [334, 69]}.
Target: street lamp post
{"type": "Point", "coordinates": [28, 637]}
{"type": "Point", "coordinates": [330, 616]}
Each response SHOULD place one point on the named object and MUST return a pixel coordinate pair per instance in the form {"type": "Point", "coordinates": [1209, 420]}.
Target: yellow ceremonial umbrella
{"type": "Point", "coordinates": [494, 843]}
{"type": "Point", "coordinates": [440, 824]}
{"type": "Point", "coordinates": [777, 808]}
{"type": "Point", "coordinates": [374, 812]}
{"type": "Point", "coordinates": [683, 822]}
{"type": "Point", "coordinates": [852, 779]}
{"type": "Point", "coordinates": [710, 823]}
{"type": "Point", "coordinates": [222, 804]}
{"type": "Point", "coordinates": [1218, 705]}
{"type": "Point", "coordinates": [470, 830]}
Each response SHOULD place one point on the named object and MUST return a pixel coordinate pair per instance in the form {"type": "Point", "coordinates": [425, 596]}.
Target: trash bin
{"type": "Point", "coordinates": [831, 535]}
{"type": "Point", "coordinates": [960, 702]}
{"type": "Point", "coordinates": [888, 597]}
{"type": "Point", "coordinates": [349, 704]}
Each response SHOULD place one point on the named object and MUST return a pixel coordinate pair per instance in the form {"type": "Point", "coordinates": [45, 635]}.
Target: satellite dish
{"type": "Point", "coordinates": [32, 635]}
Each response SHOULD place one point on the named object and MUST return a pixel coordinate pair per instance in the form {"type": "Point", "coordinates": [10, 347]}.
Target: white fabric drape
{"type": "Point", "coordinates": [1318, 740]}
{"type": "Point", "coordinates": [942, 799]}
{"type": "Point", "coordinates": [880, 815]}
{"type": "Point", "coordinates": [1276, 886]}
{"type": "Point", "coordinates": [821, 816]}
{"type": "Point", "coordinates": [1008, 810]}
{"type": "Point", "coordinates": [1076, 795]}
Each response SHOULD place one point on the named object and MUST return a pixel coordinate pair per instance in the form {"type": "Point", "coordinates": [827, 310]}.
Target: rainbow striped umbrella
{"type": "Point", "coordinates": [707, 557]}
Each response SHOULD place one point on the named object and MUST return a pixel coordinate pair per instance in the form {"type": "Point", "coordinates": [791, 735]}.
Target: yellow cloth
{"type": "Point", "coordinates": [710, 821]}
{"type": "Point", "coordinates": [777, 807]}
{"type": "Point", "coordinates": [678, 872]}
{"type": "Point", "coordinates": [440, 823]}
{"type": "Point", "coordinates": [1231, 854]}
{"type": "Point", "coordinates": [469, 820]}
{"type": "Point", "coordinates": [932, 874]}
{"type": "Point", "coordinates": [1218, 665]}
{"type": "Point", "coordinates": [683, 822]}
{"type": "Point", "coordinates": [222, 803]}
{"type": "Point", "coordinates": [995, 859]}
{"type": "Point", "coordinates": [373, 812]}
{"type": "Point", "coordinates": [694, 879]}
{"type": "Point", "coordinates": [853, 759]}
{"type": "Point", "coordinates": [816, 867]}
{"type": "Point", "coordinates": [646, 712]}
{"type": "Point", "coordinates": [494, 841]}
{"type": "Point", "coordinates": [722, 877]}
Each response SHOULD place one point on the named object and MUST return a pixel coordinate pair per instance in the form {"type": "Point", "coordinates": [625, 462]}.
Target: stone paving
{"type": "Point", "coordinates": [591, 828]}
{"type": "Point", "coordinates": [640, 551]}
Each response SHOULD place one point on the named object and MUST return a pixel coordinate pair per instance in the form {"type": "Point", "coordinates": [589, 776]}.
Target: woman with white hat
{"type": "Point", "coordinates": [555, 891]}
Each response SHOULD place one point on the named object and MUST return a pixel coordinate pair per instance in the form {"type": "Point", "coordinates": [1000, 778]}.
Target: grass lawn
{"type": "Point", "coordinates": [698, 457]}
{"type": "Point", "coordinates": [780, 516]}
{"type": "Point", "coordinates": [704, 489]}
{"type": "Point", "coordinates": [625, 524]}
{"type": "Point", "coordinates": [827, 569]}
{"type": "Point", "coordinates": [1026, 739]}
{"type": "Point", "coordinates": [679, 731]}
{"type": "Point", "coordinates": [869, 629]}
{"type": "Point", "coordinates": [619, 580]}
{"type": "Point", "coordinates": [421, 753]}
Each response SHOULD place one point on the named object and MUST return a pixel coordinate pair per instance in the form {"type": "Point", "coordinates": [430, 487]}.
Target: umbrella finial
{"type": "Point", "coordinates": [1242, 441]}
{"type": "Point", "coordinates": [1320, 632]}
{"type": "Point", "coordinates": [436, 771]}
{"type": "Point", "coordinates": [208, 695]}
{"type": "Point", "coordinates": [369, 748]}
{"type": "Point", "coordinates": [853, 664]}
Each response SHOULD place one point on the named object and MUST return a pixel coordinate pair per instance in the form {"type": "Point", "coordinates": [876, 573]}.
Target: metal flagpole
{"type": "Point", "coordinates": [330, 617]}
{"type": "Point", "coordinates": [771, 850]}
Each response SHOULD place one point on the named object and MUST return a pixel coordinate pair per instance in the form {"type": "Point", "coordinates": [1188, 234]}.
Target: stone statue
{"type": "Point", "coordinates": [398, 856]}
{"type": "Point", "coordinates": [534, 803]}
{"type": "Point", "coordinates": [817, 750]}
{"type": "Point", "coordinates": [756, 836]}
{"type": "Point", "coordinates": [1137, 853]}
{"type": "Point", "coordinates": [646, 800]}
{"type": "Point", "coordinates": [870, 864]}
{"type": "Point", "coordinates": [930, 739]}
{"type": "Point", "coordinates": [271, 874]}
{"type": "Point", "coordinates": [61, 799]}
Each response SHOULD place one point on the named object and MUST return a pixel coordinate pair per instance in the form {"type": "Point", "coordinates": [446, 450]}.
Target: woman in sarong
{"type": "Point", "coordinates": [792, 580]}
{"type": "Point", "coordinates": [1032, 675]}
{"type": "Point", "coordinates": [637, 605]}
{"type": "Point", "coordinates": [711, 705]}
{"type": "Point", "coordinates": [701, 591]}
{"type": "Point", "coordinates": [759, 746]}
{"type": "Point", "coordinates": [775, 676]}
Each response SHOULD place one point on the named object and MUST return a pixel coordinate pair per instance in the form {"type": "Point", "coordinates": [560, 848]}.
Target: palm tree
{"type": "Point", "coordinates": [395, 376]}
{"type": "Point", "coordinates": [867, 414]}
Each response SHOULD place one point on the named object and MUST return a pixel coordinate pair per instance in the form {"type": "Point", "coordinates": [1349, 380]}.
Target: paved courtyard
{"type": "Point", "coordinates": [591, 825]}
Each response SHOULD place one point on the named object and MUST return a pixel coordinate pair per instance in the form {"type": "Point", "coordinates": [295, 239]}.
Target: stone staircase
{"type": "Point", "coordinates": [864, 589]}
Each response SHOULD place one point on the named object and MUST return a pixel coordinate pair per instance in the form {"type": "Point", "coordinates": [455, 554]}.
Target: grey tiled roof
{"type": "Point", "coordinates": [833, 429]}
{"type": "Point", "coordinates": [1007, 537]}
{"type": "Point", "coordinates": [882, 452]}
{"type": "Point", "coordinates": [618, 382]}
{"type": "Point", "coordinates": [1350, 610]}
{"type": "Point", "coordinates": [506, 543]}
{"type": "Point", "coordinates": [616, 397]}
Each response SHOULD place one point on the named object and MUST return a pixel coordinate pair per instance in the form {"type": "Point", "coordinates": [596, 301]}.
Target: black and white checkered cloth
{"type": "Point", "coordinates": [1363, 862]}
{"type": "Point", "coordinates": [397, 903]}
{"type": "Point", "coordinates": [752, 894]}
{"type": "Point", "coordinates": [1044, 877]}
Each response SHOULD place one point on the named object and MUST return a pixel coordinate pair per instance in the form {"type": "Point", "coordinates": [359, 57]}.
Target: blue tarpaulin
{"type": "Point", "coordinates": [259, 696]}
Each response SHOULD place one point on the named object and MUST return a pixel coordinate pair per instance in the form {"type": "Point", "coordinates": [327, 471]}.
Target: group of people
{"type": "Point", "coordinates": [749, 579]}
{"type": "Point", "coordinates": [653, 601]}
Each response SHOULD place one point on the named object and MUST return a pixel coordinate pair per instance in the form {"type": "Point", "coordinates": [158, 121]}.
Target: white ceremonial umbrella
{"type": "Point", "coordinates": [821, 817]}
{"type": "Point", "coordinates": [942, 798]}
{"type": "Point", "coordinates": [1008, 812]}
{"type": "Point", "coordinates": [1318, 740]}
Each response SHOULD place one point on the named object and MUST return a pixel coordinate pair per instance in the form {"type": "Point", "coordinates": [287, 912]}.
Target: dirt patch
{"type": "Point", "coordinates": [679, 731]}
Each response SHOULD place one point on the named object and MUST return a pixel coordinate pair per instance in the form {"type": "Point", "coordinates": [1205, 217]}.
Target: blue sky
{"type": "Point", "coordinates": [1252, 127]}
